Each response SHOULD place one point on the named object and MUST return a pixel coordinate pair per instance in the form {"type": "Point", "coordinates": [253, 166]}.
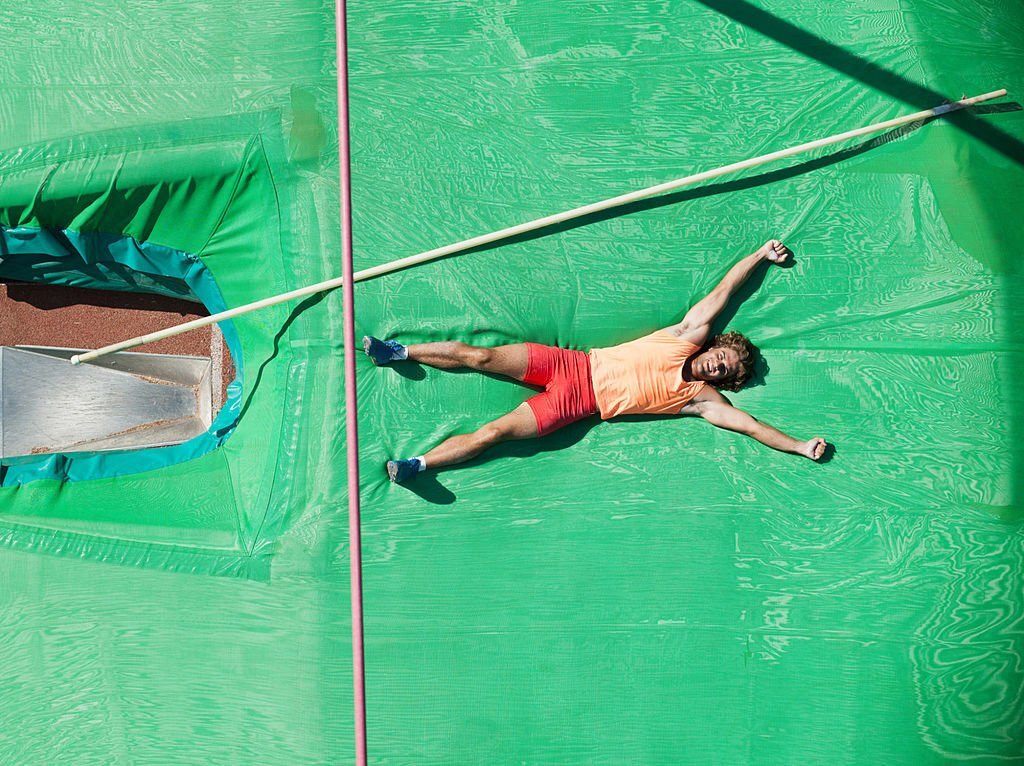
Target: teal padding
{"type": "Point", "coordinates": [103, 261]}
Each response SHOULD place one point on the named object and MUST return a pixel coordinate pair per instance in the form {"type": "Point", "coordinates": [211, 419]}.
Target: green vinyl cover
{"type": "Point", "coordinates": [632, 592]}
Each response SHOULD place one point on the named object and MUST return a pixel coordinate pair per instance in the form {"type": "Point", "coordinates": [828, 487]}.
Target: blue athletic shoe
{"type": "Point", "coordinates": [383, 351]}
{"type": "Point", "coordinates": [402, 470]}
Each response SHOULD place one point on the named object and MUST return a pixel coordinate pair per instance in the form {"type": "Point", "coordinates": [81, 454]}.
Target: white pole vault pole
{"type": "Point", "coordinates": [539, 223]}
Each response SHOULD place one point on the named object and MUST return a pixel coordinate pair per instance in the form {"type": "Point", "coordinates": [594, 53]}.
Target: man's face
{"type": "Point", "coordinates": [716, 364]}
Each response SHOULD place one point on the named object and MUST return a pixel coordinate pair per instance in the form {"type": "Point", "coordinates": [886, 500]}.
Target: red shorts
{"type": "Point", "coordinates": [568, 390]}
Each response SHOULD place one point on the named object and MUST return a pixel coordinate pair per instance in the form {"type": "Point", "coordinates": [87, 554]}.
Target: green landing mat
{"type": "Point", "coordinates": [631, 592]}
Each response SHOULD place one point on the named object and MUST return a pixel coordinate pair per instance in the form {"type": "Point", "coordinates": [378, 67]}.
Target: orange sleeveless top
{"type": "Point", "coordinates": [644, 376]}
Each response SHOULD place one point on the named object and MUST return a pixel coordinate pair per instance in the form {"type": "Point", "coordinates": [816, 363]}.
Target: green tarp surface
{"type": "Point", "coordinates": [632, 592]}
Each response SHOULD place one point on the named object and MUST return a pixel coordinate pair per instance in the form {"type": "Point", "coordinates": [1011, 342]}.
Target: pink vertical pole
{"type": "Point", "coordinates": [351, 421]}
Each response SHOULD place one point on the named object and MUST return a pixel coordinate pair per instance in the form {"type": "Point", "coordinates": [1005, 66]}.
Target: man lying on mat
{"type": "Point", "coordinates": [675, 371]}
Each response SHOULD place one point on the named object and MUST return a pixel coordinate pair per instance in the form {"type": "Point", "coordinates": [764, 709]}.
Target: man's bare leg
{"type": "Point", "coordinates": [518, 424]}
{"type": "Point", "coordinates": [510, 361]}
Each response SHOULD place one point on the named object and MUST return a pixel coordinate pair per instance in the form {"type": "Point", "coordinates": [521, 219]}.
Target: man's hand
{"type": "Point", "coordinates": [814, 449]}
{"type": "Point", "coordinates": [774, 251]}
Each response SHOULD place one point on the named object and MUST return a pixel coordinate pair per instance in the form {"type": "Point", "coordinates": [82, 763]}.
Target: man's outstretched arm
{"type": "Point", "coordinates": [716, 409]}
{"type": "Point", "coordinates": [696, 325]}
